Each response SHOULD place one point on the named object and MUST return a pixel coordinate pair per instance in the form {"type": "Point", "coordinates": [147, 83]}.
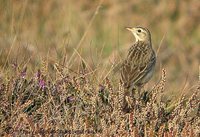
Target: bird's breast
{"type": "Point", "coordinates": [139, 54]}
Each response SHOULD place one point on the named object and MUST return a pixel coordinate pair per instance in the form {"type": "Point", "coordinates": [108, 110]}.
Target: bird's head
{"type": "Point", "coordinates": [140, 33]}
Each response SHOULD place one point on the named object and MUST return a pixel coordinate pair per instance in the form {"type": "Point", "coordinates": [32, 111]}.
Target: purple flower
{"type": "Point", "coordinates": [14, 65]}
{"type": "Point", "coordinates": [101, 88]}
{"type": "Point", "coordinates": [70, 99]}
{"type": "Point", "coordinates": [42, 83]}
{"type": "Point", "coordinates": [23, 73]}
{"type": "Point", "coordinates": [38, 74]}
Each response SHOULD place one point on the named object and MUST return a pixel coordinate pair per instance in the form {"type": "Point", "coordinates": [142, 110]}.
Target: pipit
{"type": "Point", "coordinates": [138, 67]}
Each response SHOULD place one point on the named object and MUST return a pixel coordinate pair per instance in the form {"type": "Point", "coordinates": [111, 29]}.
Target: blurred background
{"type": "Point", "coordinates": [67, 31]}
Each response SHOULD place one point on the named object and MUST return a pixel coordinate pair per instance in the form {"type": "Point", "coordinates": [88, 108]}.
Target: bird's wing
{"type": "Point", "coordinates": [143, 70]}
{"type": "Point", "coordinates": [133, 72]}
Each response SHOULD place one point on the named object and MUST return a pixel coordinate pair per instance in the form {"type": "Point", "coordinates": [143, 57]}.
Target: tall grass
{"type": "Point", "coordinates": [59, 64]}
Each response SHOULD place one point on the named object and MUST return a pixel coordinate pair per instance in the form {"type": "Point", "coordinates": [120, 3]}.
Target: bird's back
{"type": "Point", "coordinates": [138, 66]}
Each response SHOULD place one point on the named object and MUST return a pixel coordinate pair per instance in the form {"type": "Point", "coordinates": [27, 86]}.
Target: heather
{"type": "Point", "coordinates": [60, 61]}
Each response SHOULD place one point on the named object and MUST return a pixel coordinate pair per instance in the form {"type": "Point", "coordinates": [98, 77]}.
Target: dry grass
{"type": "Point", "coordinates": [59, 63]}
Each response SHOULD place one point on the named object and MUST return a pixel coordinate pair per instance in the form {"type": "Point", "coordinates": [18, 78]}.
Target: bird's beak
{"type": "Point", "coordinates": [129, 28]}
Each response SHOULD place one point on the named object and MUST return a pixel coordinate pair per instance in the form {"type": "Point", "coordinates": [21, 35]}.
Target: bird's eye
{"type": "Point", "coordinates": [139, 30]}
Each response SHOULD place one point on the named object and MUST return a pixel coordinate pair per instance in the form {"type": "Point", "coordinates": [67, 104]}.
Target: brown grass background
{"type": "Point", "coordinates": [68, 32]}
{"type": "Point", "coordinates": [36, 30]}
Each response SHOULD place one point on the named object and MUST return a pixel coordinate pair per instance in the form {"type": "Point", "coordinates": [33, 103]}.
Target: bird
{"type": "Point", "coordinates": [139, 65]}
